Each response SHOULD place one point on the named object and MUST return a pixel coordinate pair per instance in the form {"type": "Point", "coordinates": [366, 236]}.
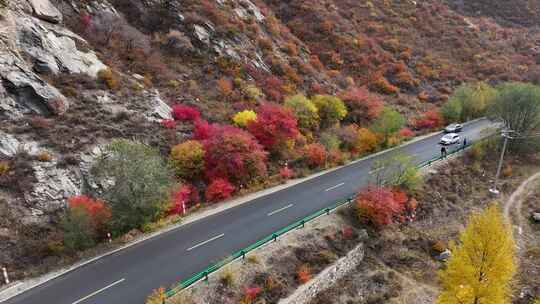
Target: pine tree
{"type": "Point", "coordinates": [481, 266]}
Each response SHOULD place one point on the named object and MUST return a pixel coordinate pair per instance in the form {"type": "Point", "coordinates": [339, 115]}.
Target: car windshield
{"type": "Point", "coordinates": [452, 126]}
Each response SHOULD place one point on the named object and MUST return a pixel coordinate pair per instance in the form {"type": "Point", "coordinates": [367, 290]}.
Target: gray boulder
{"type": "Point", "coordinates": [44, 10]}
{"type": "Point", "coordinates": [53, 49]}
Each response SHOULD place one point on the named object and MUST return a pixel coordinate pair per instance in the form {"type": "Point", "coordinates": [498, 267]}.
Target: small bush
{"type": "Point", "coordinates": [286, 173]}
{"type": "Point", "coordinates": [227, 276]}
{"type": "Point", "coordinates": [303, 274]}
{"type": "Point", "coordinates": [381, 206]}
{"type": "Point", "coordinates": [110, 79]}
{"type": "Point", "coordinates": [168, 123]}
{"type": "Point", "coordinates": [185, 113]}
{"type": "Point", "coordinates": [4, 167]}
{"type": "Point", "coordinates": [187, 159]}
{"type": "Point", "coordinates": [218, 190]}
{"type": "Point", "coordinates": [44, 156]}
{"type": "Point", "coordinates": [315, 155]}
{"type": "Point", "coordinates": [438, 247]}
{"type": "Point", "coordinates": [405, 133]}
{"type": "Point", "coordinates": [241, 119]}
{"type": "Point", "coordinates": [156, 297]}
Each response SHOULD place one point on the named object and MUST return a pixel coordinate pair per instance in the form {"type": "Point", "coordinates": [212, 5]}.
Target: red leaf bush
{"type": "Point", "coordinates": [184, 196]}
{"type": "Point", "coordinates": [185, 113]}
{"type": "Point", "coordinates": [274, 126]}
{"type": "Point", "coordinates": [235, 155]}
{"type": "Point", "coordinates": [218, 190]}
{"type": "Point", "coordinates": [315, 155]}
{"type": "Point", "coordinates": [201, 129]}
{"type": "Point", "coordinates": [97, 210]}
{"type": "Point", "coordinates": [428, 120]}
{"type": "Point", "coordinates": [381, 206]}
{"type": "Point", "coordinates": [363, 106]}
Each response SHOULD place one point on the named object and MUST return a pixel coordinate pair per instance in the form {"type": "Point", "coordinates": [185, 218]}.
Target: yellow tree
{"type": "Point", "coordinates": [481, 266]}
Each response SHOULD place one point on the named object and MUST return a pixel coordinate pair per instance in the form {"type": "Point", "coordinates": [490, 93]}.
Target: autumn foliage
{"type": "Point", "coordinates": [98, 212]}
{"type": "Point", "coordinates": [429, 120]}
{"type": "Point", "coordinates": [188, 159]}
{"type": "Point", "coordinates": [315, 155]}
{"type": "Point", "coordinates": [185, 113]}
{"type": "Point", "coordinates": [382, 206]}
{"type": "Point", "coordinates": [362, 105]}
{"type": "Point", "coordinates": [182, 198]}
{"type": "Point", "coordinates": [234, 154]}
{"type": "Point", "coordinates": [274, 126]}
{"type": "Point", "coordinates": [218, 190]}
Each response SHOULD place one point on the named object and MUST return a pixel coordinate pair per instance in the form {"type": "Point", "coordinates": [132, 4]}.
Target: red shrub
{"type": "Point", "coordinates": [218, 190]}
{"type": "Point", "coordinates": [201, 129]}
{"type": "Point", "coordinates": [363, 106]}
{"type": "Point", "coordinates": [303, 274]}
{"type": "Point", "coordinates": [429, 120]}
{"type": "Point", "coordinates": [185, 113]}
{"type": "Point", "coordinates": [251, 293]}
{"type": "Point", "coordinates": [406, 133]}
{"type": "Point", "coordinates": [274, 126]}
{"type": "Point", "coordinates": [286, 172]}
{"type": "Point", "coordinates": [234, 154]}
{"type": "Point", "coordinates": [273, 88]}
{"type": "Point", "coordinates": [98, 211]}
{"type": "Point", "coordinates": [168, 123]}
{"type": "Point", "coordinates": [315, 155]}
{"type": "Point", "coordinates": [86, 20]}
{"type": "Point", "coordinates": [347, 232]}
{"type": "Point", "coordinates": [183, 198]}
{"type": "Point", "coordinates": [381, 206]}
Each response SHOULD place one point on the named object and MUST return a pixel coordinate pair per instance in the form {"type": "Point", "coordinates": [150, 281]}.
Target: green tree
{"type": "Point", "coordinates": [518, 106]}
{"type": "Point", "coordinates": [388, 123]}
{"type": "Point", "coordinates": [331, 109]}
{"type": "Point", "coordinates": [136, 183]}
{"type": "Point", "coordinates": [396, 170]}
{"type": "Point", "coordinates": [469, 101]}
{"type": "Point", "coordinates": [78, 229]}
{"type": "Point", "coordinates": [305, 111]}
{"type": "Point", "coordinates": [482, 264]}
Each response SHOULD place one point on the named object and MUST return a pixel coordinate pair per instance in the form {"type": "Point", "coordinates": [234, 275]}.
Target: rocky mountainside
{"type": "Point", "coordinates": [76, 74]}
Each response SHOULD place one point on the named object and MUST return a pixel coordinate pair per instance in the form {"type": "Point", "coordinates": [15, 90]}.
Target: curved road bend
{"type": "Point", "coordinates": [128, 276]}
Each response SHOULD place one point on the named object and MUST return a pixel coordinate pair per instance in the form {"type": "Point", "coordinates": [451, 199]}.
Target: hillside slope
{"type": "Point", "coordinates": [78, 74]}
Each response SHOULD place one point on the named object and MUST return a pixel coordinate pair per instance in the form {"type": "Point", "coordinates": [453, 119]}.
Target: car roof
{"type": "Point", "coordinates": [450, 135]}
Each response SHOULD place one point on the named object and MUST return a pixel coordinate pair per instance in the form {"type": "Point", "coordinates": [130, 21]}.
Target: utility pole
{"type": "Point", "coordinates": [506, 136]}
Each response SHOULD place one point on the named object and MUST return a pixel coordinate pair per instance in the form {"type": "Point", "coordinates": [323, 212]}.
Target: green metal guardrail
{"type": "Point", "coordinates": [203, 275]}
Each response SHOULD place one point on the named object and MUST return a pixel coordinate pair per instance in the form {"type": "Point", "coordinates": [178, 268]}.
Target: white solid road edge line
{"type": "Point", "coordinates": [280, 209]}
{"type": "Point", "coordinates": [334, 187]}
{"type": "Point", "coordinates": [206, 242]}
{"type": "Point", "coordinates": [98, 291]}
{"type": "Point", "coordinates": [38, 281]}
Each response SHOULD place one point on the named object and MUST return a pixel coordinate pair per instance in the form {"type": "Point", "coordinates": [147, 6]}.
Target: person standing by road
{"type": "Point", "coordinates": [464, 142]}
{"type": "Point", "coordinates": [443, 152]}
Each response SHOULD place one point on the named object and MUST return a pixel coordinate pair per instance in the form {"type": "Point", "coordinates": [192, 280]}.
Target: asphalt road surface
{"type": "Point", "coordinates": [128, 276]}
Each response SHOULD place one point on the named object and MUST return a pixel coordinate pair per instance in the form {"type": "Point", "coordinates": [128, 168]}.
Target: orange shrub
{"type": "Point", "coordinates": [366, 141]}
{"type": "Point", "coordinates": [303, 274]}
{"type": "Point", "coordinates": [382, 85]}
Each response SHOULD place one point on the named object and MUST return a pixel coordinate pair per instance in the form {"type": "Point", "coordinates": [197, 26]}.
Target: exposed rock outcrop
{"type": "Point", "coordinates": [29, 47]}
{"type": "Point", "coordinates": [44, 10]}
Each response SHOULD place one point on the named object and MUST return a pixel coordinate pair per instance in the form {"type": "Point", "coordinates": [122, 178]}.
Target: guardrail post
{"type": "Point", "coordinates": [6, 278]}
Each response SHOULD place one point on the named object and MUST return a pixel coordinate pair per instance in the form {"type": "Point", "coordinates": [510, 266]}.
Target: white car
{"type": "Point", "coordinates": [450, 139]}
{"type": "Point", "coordinates": [453, 128]}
